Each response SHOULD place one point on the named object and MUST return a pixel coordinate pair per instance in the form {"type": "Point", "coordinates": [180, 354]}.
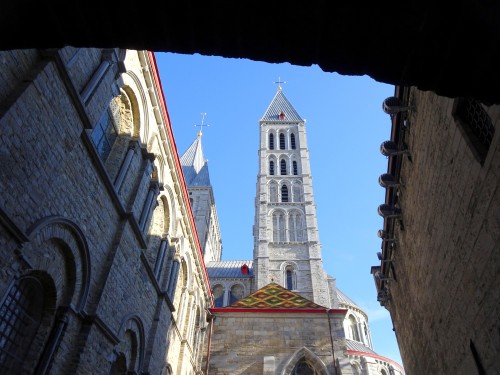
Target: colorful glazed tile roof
{"type": "Point", "coordinates": [274, 296]}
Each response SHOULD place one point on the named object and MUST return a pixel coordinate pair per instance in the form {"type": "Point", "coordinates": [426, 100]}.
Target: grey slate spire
{"type": "Point", "coordinates": [281, 109]}
{"type": "Point", "coordinates": [194, 165]}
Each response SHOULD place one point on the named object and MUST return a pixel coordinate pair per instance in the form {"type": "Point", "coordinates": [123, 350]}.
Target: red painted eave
{"type": "Point", "coordinates": [168, 127]}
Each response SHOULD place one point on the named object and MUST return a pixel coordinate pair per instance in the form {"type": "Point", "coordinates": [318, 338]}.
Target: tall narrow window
{"type": "Point", "coordinates": [278, 227]}
{"type": "Point", "coordinates": [292, 227]}
{"type": "Point", "coordinates": [271, 167]}
{"type": "Point", "coordinates": [271, 141]}
{"type": "Point", "coordinates": [283, 167]}
{"type": "Point", "coordinates": [20, 316]}
{"type": "Point", "coordinates": [284, 193]}
{"type": "Point", "coordinates": [273, 192]}
{"type": "Point", "coordinates": [295, 169]}
{"type": "Point", "coordinates": [353, 325]}
{"type": "Point", "coordinates": [289, 279]}
{"type": "Point", "coordinates": [218, 294]}
{"type": "Point", "coordinates": [297, 192]}
{"type": "Point", "coordinates": [104, 135]}
{"type": "Point", "coordinates": [475, 124]}
{"type": "Point", "coordinates": [282, 141]}
{"type": "Point", "coordinates": [292, 141]}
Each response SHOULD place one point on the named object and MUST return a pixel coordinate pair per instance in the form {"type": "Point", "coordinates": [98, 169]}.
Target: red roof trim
{"type": "Point", "coordinates": [279, 311]}
{"type": "Point", "coordinates": [168, 127]}
{"type": "Point", "coordinates": [355, 352]}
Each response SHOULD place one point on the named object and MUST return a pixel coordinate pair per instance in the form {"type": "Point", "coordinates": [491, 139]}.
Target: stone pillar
{"type": "Point", "coordinates": [154, 190]}
{"type": "Point", "coordinates": [161, 257]}
{"type": "Point", "coordinates": [120, 177]}
{"type": "Point", "coordinates": [88, 90]}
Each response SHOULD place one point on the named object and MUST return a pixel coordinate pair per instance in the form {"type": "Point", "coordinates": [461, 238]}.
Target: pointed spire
{"type": "Point", "coordinates": [194, 165]}
{"type": "Point", "coordinates": [281, 109]}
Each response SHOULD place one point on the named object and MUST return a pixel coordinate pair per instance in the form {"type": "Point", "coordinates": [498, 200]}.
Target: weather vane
{"type": "Point", "coordinates": [279, 82]}
{"type": "Point", "coordinates": [203, 114]}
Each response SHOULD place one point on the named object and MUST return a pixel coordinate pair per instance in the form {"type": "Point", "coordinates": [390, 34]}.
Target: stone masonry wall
{"type": "Point", "coordinates": [258, 336]}
{"type": "Point", "coordinates": [444, 303]}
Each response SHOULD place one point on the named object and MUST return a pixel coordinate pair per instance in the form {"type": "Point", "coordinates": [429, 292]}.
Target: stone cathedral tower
{"type": "Point", "coordinates": [286, 242]}
{"type": "Point", "coordinates": [268, 298]}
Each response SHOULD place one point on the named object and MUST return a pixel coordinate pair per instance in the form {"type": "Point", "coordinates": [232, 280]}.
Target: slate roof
{"type": "Point", "coordinates": [194, 165]}
{"type": "Point", "coordinates": [345, 300]}
{"type": "Point", "coordinates": [281, 104]}
{"type": "Point", "coordinates": [357, 346]}
{"type": "Point", "coordinates": [274, 296]}
{"type": "Point", "coordinates": [228, 269]}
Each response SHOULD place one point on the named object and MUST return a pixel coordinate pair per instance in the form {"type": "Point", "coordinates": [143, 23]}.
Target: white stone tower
{"type": "Point", "coordinates": [201, 197]}
{"type": "Point", "coordinates": [286, 243]}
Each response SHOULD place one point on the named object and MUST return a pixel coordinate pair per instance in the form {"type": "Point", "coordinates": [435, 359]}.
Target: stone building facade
{"type": "Point", "coordinates": [279, 312]}
{"type": "Point", "coordinates": [439, 274]}
{"type": "Point", "coordinates": [101, 271]}
{"type": "Point", "coordinates": [105, 234]}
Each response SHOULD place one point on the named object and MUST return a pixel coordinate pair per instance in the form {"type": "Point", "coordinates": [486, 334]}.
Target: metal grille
{"type": "Point", "coordinates": [479, 121]}
{"type": "Point", "coordinates": [477, 125]}
{"type": "Point", "coordinates": [20, 315]}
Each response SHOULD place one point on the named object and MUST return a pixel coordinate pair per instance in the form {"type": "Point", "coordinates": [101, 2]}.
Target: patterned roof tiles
{"type": "Point", "coordinates": [274, 296]}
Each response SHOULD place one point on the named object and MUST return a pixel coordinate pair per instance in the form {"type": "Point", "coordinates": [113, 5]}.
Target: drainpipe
{"type": "Point", "coordinates": [331, 340]}
{"type": "Point", "coordinates": [210, 319]}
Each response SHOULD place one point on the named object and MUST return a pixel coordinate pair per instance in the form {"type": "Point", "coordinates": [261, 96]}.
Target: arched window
{"type": "Point", "coordinates": [295, 169]}
{"type": "Point", "coordinates": [292, 141]}
{"type": "Point", "coordinates": [273, 192]}
{"type": "Point", "coordinates": [295, 227]}
{"type": "Point", "coordinates": [278, 227]}
{"type": "Point", "coordinates": [284, 193]}
{"type": "Point", "coordinates": [303, 368]}
{"type": "Point", "coordinates": [20, 317]}
{"type": "Point", "coordinates": [271, 167]}
{"type": "Point", "coordinates": [289, 278]}
{"type": "Point", "coordinates": [353, 326]}
{"type": "Point", "coordinates": [236, 293]}
{"type": "Point", "coordinates": [283, 167]}
{"type": "Point", "coordinates": [282, 141]}
{"type": "Point", "coordinates": [383, 372]}
{"type": "Point", "coordinates": [218, 293]}
{"type": "Point", "coordinates": [105, 132]}
{"type": "Point", "coordinates": [271, 141]}
{"type": "Point", "coordinates": [297, 192]}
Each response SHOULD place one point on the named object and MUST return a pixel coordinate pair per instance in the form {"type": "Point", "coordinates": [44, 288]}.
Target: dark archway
{"type": "Point", "coordinates": [450, 50]}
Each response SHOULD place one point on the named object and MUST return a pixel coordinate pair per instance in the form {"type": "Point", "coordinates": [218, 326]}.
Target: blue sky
{"type": "Point", "coordinates": [345, 126]}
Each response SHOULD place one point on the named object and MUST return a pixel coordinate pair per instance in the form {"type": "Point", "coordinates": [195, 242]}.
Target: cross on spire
{"type": "Point", "coordinates": [203, 114]}
{"type": "Point", "coordinates": [279, 82]}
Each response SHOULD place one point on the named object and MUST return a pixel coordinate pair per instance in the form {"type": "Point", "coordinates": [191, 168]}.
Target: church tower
{"type": "Point", "coordinates": [287, 250]}
{"type": "Point", "coordinates": [201, 198]}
